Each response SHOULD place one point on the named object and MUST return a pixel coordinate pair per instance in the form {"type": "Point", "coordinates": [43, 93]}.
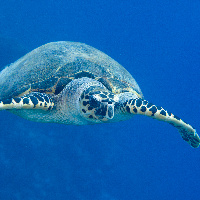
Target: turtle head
{"type": "Point", "coordinates": [97, 104]}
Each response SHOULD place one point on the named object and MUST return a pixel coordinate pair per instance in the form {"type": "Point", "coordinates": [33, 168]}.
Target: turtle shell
{"type": "Point", "coordinates": [50, 67]}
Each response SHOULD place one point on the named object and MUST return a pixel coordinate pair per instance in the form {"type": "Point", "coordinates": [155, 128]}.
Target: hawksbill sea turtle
{"type": "Point", "coordinates": [73, 83]}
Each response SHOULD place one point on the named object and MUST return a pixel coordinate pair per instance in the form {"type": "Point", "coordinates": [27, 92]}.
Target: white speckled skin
{"type": "Point", "coordinates": [67, 108]}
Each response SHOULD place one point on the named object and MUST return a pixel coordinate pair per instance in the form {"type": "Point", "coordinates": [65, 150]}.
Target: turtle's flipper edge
{"type": "Point", "coordinates": [34, 100]}
{"type": "Point", "coordinates": [143, 107]}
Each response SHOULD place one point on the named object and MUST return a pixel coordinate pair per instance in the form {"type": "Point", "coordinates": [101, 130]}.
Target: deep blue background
{"type": "Point", "coordinates": [158, 43]}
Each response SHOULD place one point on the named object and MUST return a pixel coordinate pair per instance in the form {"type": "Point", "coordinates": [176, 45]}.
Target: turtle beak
{"type": "Point", "coordinates": [110, 110]}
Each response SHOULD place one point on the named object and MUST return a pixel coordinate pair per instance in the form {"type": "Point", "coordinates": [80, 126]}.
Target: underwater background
{"type": "Point", "coordinates": [141, 159]}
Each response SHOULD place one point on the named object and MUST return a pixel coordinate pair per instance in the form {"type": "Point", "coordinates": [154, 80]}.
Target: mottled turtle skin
{"type": "Point", "coordinates": [73, 83]}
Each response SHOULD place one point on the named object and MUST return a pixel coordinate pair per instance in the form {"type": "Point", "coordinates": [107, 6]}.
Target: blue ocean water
{"type": "Point", "coordinates": [141, 159]}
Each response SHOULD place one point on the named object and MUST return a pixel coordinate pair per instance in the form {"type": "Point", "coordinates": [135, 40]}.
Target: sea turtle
{"type": "Point", "coordinates": [73, 83]}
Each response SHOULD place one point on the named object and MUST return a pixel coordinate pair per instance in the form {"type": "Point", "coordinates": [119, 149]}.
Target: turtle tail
{"type": "Point", "coordinates": [34, 100]}
{"type": "Point", "coordinates": [143, 107]}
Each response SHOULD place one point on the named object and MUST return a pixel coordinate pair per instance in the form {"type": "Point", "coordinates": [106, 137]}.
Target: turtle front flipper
{"type": "Point", "coordinates": [34, 100]}
{"type": "Point", "coordinates": [143, 107]}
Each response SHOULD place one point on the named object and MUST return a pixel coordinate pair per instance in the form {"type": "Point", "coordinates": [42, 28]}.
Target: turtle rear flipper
{"type": "Point", "coordinates": [34, 100]}
{"type": "Point", "coordinates": [143, 107]}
